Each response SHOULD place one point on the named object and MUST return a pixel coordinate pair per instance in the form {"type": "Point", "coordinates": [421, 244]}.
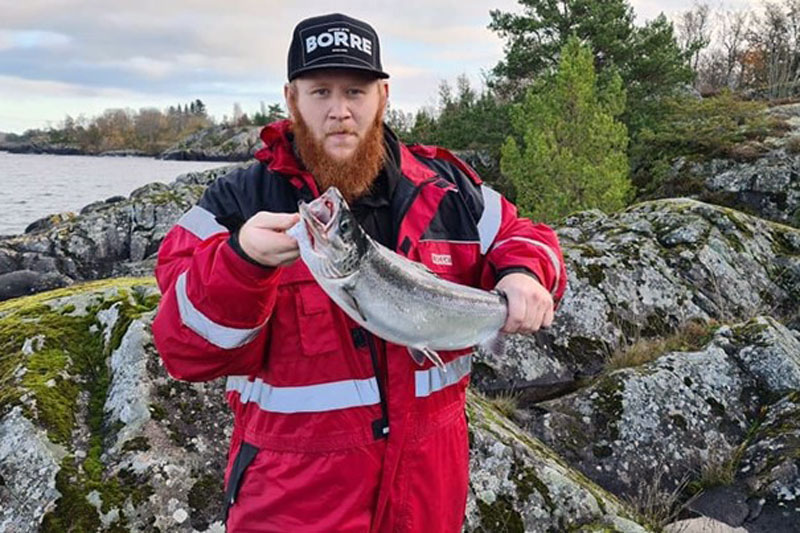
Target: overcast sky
{"type": "Point", "coordinates": [75, 57]}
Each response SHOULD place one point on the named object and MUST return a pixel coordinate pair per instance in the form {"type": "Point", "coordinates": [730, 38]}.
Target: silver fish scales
{"type": "Point", "coordinates": [394, 298]}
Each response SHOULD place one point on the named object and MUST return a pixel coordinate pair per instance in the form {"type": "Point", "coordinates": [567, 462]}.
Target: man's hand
{"type": "Point", "coordinates": [264, 240]}
{"type": "Point", "coordinates": [530, 305]}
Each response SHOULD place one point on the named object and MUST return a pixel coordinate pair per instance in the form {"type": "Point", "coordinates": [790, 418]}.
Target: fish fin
{"type": "Point", "coordinates": [351, 301]}
{"type": "Point", "coordinates": [417, 355]}
{"type": "Point", "coordinates": [496, 344]}
{"type": "Point", "coordinates": [420, 354]}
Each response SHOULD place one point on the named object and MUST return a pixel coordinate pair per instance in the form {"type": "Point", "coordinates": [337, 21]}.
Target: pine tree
{"type": "Point", "coordinates": [573, 149]}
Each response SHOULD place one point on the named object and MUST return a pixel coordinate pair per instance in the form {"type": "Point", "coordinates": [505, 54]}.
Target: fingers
{"type": "Point", "coordinates": [275, 221]}
{"type": "Point", "coordinates": [517, 310]}
{"type": "Point", "coordinates": [548, 317]}
{"type": "Point", "coordinates": [530, 306]}
{"type": "Point", "coordinates": [263, 239]}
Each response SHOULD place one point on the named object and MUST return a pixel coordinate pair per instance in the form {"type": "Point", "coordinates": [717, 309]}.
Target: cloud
{"type": "Point", "coordinates": [221, 51]}
{"type": "Point", "coordinates": [27, 39]}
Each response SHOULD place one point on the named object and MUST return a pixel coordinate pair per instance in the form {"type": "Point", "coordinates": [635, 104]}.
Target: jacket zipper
{"type": "Point", "coordinates": [380, 427]}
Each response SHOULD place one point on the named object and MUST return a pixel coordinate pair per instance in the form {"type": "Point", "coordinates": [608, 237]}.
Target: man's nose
{"type": "Point", "coordinates": [340, 110]}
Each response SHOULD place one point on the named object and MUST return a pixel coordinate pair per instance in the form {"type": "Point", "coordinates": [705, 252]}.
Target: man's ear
{"type": "Point", "coordinates": [385, 88]}
{"type": "Point", "coordinates": [286, 89]}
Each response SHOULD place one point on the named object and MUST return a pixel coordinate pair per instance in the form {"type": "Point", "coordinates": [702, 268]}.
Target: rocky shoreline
{"type": "Point", "coordinates": [665, 397]}
{"type": "Point", "coordinates": [219, 143]}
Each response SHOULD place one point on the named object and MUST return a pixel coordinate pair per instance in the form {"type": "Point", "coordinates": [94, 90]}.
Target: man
{"type": "Point", "coordinates": [335, 429]}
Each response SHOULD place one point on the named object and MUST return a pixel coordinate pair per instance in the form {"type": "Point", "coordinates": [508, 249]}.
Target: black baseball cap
{"type": "Point", "coordinates": [334, 41]}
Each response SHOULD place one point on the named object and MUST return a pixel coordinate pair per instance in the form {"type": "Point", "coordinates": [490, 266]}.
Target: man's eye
{"type": "Point", "coordinates": [320, 92]}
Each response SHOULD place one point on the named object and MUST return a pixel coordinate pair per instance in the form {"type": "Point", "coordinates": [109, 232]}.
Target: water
{"type": "Point", "coordinates": [33, 186]}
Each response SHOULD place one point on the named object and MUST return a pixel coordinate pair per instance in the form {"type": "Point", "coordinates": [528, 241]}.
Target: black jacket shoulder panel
{"type": "Point", "coordinates": [243, 192]}
{"type": "Point", "coordinates": [459, 212]}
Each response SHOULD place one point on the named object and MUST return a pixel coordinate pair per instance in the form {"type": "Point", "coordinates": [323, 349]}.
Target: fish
{"type": "Point", "coordinates": [395, 298]}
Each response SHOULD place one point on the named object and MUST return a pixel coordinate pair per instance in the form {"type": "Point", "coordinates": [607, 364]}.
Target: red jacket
{"type": "Point", "coordinates": [335, 429]}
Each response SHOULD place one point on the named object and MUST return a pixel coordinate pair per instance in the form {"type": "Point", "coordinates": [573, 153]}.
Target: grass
{"type": "Point", "coordinates": [690, 336]}
{"type": "Point", "coordinates": [507, 402]}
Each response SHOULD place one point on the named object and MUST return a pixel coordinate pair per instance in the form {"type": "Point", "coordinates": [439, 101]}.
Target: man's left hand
{"type": "Point", "coordinates": [530, 305]}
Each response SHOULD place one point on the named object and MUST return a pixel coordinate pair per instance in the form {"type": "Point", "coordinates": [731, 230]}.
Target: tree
{"type": "Point", "coordinates": [775, 49]}
{"type": "Point", "coordinates": [694, 32]}
{"type": "Point", "coordinates": [572, 151]}
{"type": "Point", "coordinates": [535, 38]}
{"type": "Point", "coordinates": [649, 59]}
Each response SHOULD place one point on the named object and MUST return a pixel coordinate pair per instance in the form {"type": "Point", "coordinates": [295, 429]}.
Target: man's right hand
{"type": "Point", "coordinates": [263, 238]}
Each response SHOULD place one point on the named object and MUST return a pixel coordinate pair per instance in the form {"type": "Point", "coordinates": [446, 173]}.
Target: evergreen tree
{"type": "Point", "coordinates": [649, 58]}
{"type": "Point", "coordinates": [572, 154]}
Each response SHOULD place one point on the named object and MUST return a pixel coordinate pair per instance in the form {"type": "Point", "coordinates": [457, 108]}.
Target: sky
{"type": "Point", "coordinates": [73, 57]}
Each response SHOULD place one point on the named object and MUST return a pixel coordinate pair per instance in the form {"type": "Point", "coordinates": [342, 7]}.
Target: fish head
{"type": "Point", "coordinates": [334, 232]}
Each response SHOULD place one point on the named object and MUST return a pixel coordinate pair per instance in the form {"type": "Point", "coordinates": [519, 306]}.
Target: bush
{"type": "Point", "coordinates": [722, 126]}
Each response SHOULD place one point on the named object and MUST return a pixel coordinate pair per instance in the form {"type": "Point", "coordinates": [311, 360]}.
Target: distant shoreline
{"type": "Point", "coordinates": [183, 155]}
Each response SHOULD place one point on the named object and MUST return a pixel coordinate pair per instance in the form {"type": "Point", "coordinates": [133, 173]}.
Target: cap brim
{"type": "Point", "coordinates": [338, 66]}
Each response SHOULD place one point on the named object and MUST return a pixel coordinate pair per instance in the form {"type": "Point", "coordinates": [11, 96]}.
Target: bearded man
{"type": "Point", "coordinates": [334, 428]}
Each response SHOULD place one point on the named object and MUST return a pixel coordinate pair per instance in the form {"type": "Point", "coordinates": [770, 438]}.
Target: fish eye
{"type": "Point", "coordinates": [344, 225]}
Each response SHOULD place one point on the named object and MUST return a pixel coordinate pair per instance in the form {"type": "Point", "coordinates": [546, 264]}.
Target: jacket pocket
{"type": "Point", "coordinates": [315, 310]}
{"type": "Point", "coordinates": [303, 322]}
{"type": "Point", "coordinates": [245, 455]}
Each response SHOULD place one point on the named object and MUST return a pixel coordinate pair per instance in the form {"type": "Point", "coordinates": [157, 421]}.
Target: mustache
{"type": "Point", "coordinates": [337, 131]}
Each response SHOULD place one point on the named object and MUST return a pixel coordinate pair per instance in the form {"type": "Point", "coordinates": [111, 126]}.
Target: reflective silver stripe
{"type": "Point", "coordinates": [550, 253]}
{"type": "Point", "coordinates": [201, 223]}
{"type": "Point", "coordinates": [306, 399]}
{"type": "Point", "coordinates": [434, 379]}
{"type": "Point", "coordinates": [489, 224]}
{"type": "Point", "coordinates": [216, 334]}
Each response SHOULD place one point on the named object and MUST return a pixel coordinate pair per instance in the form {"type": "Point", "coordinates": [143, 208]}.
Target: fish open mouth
{"type": "Point", "coordinates": [320, 215]}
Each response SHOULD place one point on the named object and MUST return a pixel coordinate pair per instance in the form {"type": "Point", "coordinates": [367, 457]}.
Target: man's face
{"type": "Point", "coordinates": [338, 106]}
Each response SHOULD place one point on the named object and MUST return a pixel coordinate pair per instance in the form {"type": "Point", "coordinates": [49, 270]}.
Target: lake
{"type": "Point", "coordinates": [36, 185]}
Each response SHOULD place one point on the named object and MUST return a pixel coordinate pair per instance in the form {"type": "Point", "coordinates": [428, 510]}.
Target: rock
{"type": "Point", "coordinates": [769, 470]}
{"type": "Point", "coordinates": [25, 282]}
{"type": "Point", "coordinates": [124, 153]}
{"type": "Point", "coordinates": [113, 237]}
{"type": "Point", "coordinates": [726, 504]}
{"type": "Point", "coordinates": [702, 525]}
{"type": "Point", "coordinates": [643, 273]}
{"type": "Point", "coordinates": [218, 143]}
{"type": "Point", "coordinates": [766, 184]}
{"type": "Point", "coordinates": [674, 416]}
{"type": "Point", "coordinates": [517, 484]}
{"type": "Point", "coordinates": [48, 222]}
{"type": "Point", "coordinates": [28, 467]}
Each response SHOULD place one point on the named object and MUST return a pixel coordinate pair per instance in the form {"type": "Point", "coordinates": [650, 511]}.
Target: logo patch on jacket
{"type": "Point", "coordinates": [442, 259]}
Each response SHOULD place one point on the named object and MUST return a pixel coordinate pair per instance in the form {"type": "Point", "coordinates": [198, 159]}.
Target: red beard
{"type": "Point", "coordinates": [352, 176]}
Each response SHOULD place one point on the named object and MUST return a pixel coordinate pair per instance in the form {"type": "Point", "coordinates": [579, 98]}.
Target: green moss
{"type": "Point", "coordinates": [500, 516]}
{"type": "Point", "coordinates": [157, 411]}
{"type": "Point", "coordinates": [749, 332]}
{"type": "Point", "coordinates": [205, 493]}
{"type": "Point", "coordinates": [137, 444]}
{"type": "Point", "coordinates": [71, 358]}
{"type": "Point", "coordinates": [73, 513]}
{"type": "Point", "coordinates": [526, 480]}
{"type": "Point", "coordinates": [608, 406]}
